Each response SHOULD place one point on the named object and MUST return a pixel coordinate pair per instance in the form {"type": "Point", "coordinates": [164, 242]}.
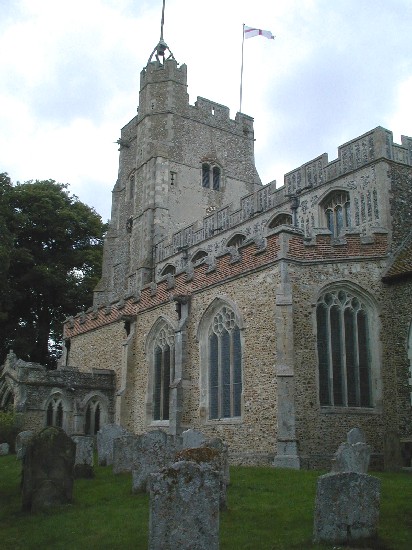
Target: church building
{"type": "Point", "coordinates": [275, 318]}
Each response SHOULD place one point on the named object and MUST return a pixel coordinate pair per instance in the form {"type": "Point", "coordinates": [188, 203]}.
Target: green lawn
{"type": "Point", "coordinates": [267, 509]}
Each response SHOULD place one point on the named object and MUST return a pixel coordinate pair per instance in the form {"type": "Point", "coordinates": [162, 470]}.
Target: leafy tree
{"type": "Point", "coordinates": [52, 266]}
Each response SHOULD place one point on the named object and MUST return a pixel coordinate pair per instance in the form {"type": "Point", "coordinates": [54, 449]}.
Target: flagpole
{"type": "Point", "coordinates": [241, 68]}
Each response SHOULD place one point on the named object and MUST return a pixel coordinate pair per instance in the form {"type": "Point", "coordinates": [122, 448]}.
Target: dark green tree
{"type": "Point", "coordinates": [53, 264]}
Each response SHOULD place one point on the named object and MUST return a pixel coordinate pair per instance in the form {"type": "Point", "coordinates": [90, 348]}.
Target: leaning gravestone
{"type": "Point", "coordinates": [22, 440]}
{"type": "Point", "coordinates": [48, 470]}
{"type": "Point", "coordinates": [153, 450]}
{"type": "Point", "coordinates": [105, 441]}
{"type": "Point", "coordinates": [184, 508]}
{"type": "Point", "coordinates": [347, 499]}
{"type": "Point", "coordinates": [83, 467]}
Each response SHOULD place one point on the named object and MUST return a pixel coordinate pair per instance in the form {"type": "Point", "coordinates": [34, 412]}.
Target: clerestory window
{"type": "Point", "coordinates": [337, 212]}
{"type": "Point", "coordinates": [344, 350]}
{"type": "Point", "coordinates": [225, 366]}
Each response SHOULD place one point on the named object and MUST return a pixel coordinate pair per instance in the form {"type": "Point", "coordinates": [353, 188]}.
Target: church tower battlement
{"type": "Point", "coordinates": [177, 162]}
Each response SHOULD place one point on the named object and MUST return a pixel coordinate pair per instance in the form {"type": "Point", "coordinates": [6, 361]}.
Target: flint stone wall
{"type": "Point", "coordinates": [184, 508]}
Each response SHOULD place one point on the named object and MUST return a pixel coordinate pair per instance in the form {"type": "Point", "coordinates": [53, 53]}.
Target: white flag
{"type": "Point", "coordinates": [250, 31]}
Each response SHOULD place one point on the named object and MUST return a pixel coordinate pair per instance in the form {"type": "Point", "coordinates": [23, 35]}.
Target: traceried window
{"type": "Point", "coordinates": [337, 212]}
{"type": "Point", "coordinates": [211, 175]}
{"type": "Point", "coordinates": [163, 363]}
{"type": "Point", "coordinates": [55, 412]}
{"type": "Point", "coordinates": [344, 351]}
{"type": "Point", "coordinates": [225, 366]}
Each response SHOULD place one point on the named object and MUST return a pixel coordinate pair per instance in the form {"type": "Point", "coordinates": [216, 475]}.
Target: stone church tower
{"type": "Point", "coordinates": [178, 162]}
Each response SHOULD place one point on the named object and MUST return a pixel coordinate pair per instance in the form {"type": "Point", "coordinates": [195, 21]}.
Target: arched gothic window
{"type": "Point", "coordinates": [236, 240]}
{"type": "Point", "coordinates": [163, 364]}
{"type": "Point", "coordinates": [55, 412]}
{"type": "Point", "coordinates": [337, 212]}
{"type": "Point", "coordinates": [281, 219]}
{"type": "Point", "coordinates": [169, 269]}
{"type": "Point", "coordinates": [225, 366]}
{"type": "Point", "coordinates": [199, 255]}
{"type": "Point", "coordinates": [211, 175]}
{"type": "Point", "coordinates": [344, 351]}
{"type": "Point", "coordinates": [93, 417]}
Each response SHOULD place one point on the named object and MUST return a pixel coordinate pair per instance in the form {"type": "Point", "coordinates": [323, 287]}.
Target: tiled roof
{"type": "Point", "coordinates": [401, 265]}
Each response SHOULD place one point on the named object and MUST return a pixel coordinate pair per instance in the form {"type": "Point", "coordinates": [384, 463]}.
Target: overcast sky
{"type": "Point", "coordinates": [69, 78]}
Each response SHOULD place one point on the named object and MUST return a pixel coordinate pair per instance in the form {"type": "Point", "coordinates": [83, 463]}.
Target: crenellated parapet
{"type": "Point", "coordinates": [282, 243]}
{"type": "Point", "coordinates": [354, 154]}
{"type": "Point", "coordinates": [310, 182]}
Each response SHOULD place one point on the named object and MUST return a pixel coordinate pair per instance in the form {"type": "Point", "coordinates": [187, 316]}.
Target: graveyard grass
{"type": "Point", "coordinates": [267, 509]}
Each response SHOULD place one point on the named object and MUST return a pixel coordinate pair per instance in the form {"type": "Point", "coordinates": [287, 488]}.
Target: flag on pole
{"type": "Point", "coordinates": [249, 32]}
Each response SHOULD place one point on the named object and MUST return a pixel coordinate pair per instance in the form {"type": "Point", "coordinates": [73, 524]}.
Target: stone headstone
{"type": "Point", "coordinates": [353, 455]}
{"type": "Point", "coordinates": [192, 438]}
{"type": "Point", "coordinates": [355, 435]}
{"type": "Point", "coordinates": [184, 508]}
{"type": "Point", "coordinates": [213, 458]}
{"type": "Point", "coordinates": [48, 470]}
{"type": "Point", "coordinates": [125, 450]}
{"type": "Point", "coordinates": [347, 499]}
{"type": "Point", "coordinates": [221, 446]}
{"type": "Point", "coordinates": [22, 440]}
{"type": "Point", "coordinates": [105, 438]}
{"type": "Point", "coordinates": [153, 451]}
{"type": "Point", "coordinates": [83, 467]}
{"type": "Point", "coordinates": [392, 456]}
{"type": "Point", "coordinates": [347, 507]}
{"type": "Point", "coordinates": [4, 449]}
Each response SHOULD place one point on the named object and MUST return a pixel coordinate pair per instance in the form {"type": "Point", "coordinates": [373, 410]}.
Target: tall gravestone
{"type": "Point", "coordinates": [347, 499]}
{"type": "Point", "coordinates": [184, 508]}
{"type": "Point", "coordinates": [105, 442]}
{"type": "Point", "coordinates": [48, 470]}
{"type": "Point", "coordinates": [83, 467]}
{"type": "Point", "coordinates": [153, 451]}
{"type": "Point", "coordinates": [214, 453]}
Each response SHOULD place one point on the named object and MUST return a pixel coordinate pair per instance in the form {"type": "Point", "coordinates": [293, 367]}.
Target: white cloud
{"type": "Point", "coordinates": [69, 78]}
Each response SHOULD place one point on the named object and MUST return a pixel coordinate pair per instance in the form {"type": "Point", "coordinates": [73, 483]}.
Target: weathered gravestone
{"type": "Point", "coordinates": [4, 449]}
{"type": "Point", "coordinates": [192, 438]}
{"type": "Point", "coordinates": [347, 499]}
{"type": "Point", "coordinates": [392, 455]}
{"type": "Point", "coordinates": [184, 508]}
{"type": "Point", "coordinates": [125, 450]}
{"type": "Point", "coordinates": [153, 451]}
{"type": "Point", "coordinates": [83, 467]}
{"type": "Point", "coordinates": [214, 453]}
{"type": "Point", "coordinates": [22, 440]}
{"type": "Point", "coordinates": [48, 470]}
{"type": "Point", "coordinates": [105, 442]}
